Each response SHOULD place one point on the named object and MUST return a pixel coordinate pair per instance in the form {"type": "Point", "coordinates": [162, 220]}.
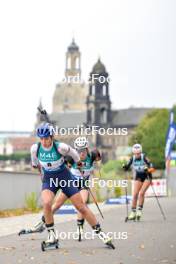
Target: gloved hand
{"type": "Point", "coordinates": [124, 166]}
{"type": "Point", "coordinates": [79, 165]}
{"type": "Point", "coordinates": [146, 169]}
{"type": "Point", "coordinates": [151, 170]}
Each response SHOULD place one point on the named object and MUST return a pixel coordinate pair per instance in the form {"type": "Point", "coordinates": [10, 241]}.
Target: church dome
{"type": "Point", "coordinates": [99, 67]}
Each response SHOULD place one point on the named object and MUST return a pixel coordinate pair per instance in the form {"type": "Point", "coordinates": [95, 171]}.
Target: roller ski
{"type": "Point", "coordinates": [138, 215]}
{"type": "Point", "coordinates": [106, 240]}
{"type": "Point", "coordinates": [52, 241]}
{"type": "Point", "coordinates": [80, 224]}
{"type": "Point", "coordinates": [80, 232]}
{"type": "Point", "coordinates": [131, 217]}
{"type": "Point", "coordinates": [38, 228]}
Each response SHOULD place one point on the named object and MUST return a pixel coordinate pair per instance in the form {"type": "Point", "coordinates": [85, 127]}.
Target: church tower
{"type": "Point", "coordinates": [73, 61]}
{"type": "Point", "coordinates": [70, 94]}
{"type": "Point", "coordinates": [98, 100]}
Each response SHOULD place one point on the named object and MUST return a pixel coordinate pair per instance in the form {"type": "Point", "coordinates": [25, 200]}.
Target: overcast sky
{"type": "Point", "coordinates": [136, 41]}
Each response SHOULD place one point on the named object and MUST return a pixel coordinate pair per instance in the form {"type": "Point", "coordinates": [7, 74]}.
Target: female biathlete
{"type": "Point", "coordinates": [48, 156]}
{"type": "Point", "coordinates": [143, 169]}
{"type": "Point", "coordinates": [82, 176]}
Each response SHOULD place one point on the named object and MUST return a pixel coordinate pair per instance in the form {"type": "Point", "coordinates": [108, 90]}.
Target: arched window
{"type": "Point", "coordinates": [92, 115]}
{"type": "Point", "coordinates": [104, 90]}
{"type": "Point", "coordinates": [77, 63]}
{"type": "Point", "coordinates": [93, 89]}
{"type": "Point", "coordinates": [68, 63]}
{"type": "Point", "coordinates": [103, 116]}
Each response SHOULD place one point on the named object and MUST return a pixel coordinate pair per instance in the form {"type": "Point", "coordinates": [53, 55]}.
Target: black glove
{"type": "Point", "coordinates": [146, 169]}
{"type": "Point", "coordinates": [125, 167]}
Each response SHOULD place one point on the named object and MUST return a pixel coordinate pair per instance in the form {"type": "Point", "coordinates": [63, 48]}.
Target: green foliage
{"type": "Point", "coordinates": [174, 110]}
{"type": "Point", "coordinates": [31, 201]}
{"type": "Point", "coordinates": [151, 133]}
{"type": "Point", "coordinates": [111, 168]}
{"type": "Point", "coordinates": [118, 191]}
{"type": "Point", "coordinates": [16, 156]}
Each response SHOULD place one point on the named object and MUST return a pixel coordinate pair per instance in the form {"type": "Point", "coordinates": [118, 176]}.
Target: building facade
{"type": "Point", "coordinates": [78, 104]}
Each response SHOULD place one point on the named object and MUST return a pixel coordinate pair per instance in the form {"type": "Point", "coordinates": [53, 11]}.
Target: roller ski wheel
{"type": "Point", "coordinates": [25, 232]}
{"type": "Point", "coordinates": [106, 240]}
{"type": "Point", "coordinates": [110, 245]}
{"type": "Point", "coordinates": [30, 231]}
{"type": "Point", "coordinates": [127, 219]}
{"type": "Point", "coordinates": [80, 233]}
{"type": "Point", "coordinates": [139, 215]}
{"type": "Point", "coordinates": [131, 217]}
{"type": "Point", "coordinates": [79, 237]}
{"type": "Point", "coordinates": [49, 245]}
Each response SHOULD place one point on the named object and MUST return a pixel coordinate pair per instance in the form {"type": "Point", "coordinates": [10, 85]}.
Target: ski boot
{"type": "Point", "coordinates": [51, 242]}
{"type": "Point", "coordinates": [132, 216]}
{"type": "Point", "coordinates": [38, 228]}
{"type": "Point", "coordinates": [139, 214]}
{"type": "Point", "coordinates": [106, 240]}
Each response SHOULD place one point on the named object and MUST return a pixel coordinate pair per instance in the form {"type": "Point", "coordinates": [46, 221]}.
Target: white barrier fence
{"type": "Point", "coordinates": [159, 186]}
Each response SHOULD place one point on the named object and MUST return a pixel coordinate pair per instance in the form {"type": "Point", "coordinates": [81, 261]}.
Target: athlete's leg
{"type": "Point", "coordinates": [59, 201]}
{"type": "Point", "coordinates": [47, 200]}
{"type": "Point", "coordinates": [142, 192]}
{"type": "Point", "coordinates": [84, 194]}
{"type": "Point", "coordinates": [137, 186]}
{"type": "Point", "coordinates": [77, 201]}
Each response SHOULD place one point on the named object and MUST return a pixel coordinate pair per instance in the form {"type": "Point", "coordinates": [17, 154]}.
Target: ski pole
{"type": "Point", "coordinates": [95, 202]}
{"type": "Point", "coordinates": [126, 195]}
{"type": "Point", "coordinates": [159, 205]}
{"type": "Point", "coordinates": [93, 197]}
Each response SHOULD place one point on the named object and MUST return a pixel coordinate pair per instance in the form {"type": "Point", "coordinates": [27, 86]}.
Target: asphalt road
{"type": "Point", "coordinates": [150, 241]}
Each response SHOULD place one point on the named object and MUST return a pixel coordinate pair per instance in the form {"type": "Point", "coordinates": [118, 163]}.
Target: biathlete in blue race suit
{"type": "Point", "coordinates": [48, 156]}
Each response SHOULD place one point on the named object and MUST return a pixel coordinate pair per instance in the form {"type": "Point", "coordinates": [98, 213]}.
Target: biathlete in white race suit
{"type": "Point", "coordinates": [49, 157]}
{"type": "Point", "coordinates": [143, 169]}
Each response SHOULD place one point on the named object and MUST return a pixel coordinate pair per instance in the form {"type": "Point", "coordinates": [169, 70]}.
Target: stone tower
{"type": "Point", "coordinates": [70, 94]}
{"type": "Point", "coordinates": [98, 100]}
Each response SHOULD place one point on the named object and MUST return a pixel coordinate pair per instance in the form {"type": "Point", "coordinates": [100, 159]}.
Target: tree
{"type": "Point", "coordinates": [151, 134]}
{"type": "Point", "coordinates": [174, 111]}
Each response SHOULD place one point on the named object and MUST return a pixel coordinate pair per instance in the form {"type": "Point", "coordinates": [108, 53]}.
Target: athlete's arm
{"type": "Point", "coordinates": [128, 165]}
{"type": "Point", "coordinates": [147, 161]}
{"type": "Point", "coordinates": [67, 150]}
{"type": "Point", "coordinates": [69, 161]}
{"type": "Point", "coordinates": [96, 156]}
{"type": "Point", "coordinates": [34, 159]}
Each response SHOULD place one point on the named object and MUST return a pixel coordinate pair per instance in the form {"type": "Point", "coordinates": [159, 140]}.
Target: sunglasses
{"type": "Point", "coordinates": [82, 150]}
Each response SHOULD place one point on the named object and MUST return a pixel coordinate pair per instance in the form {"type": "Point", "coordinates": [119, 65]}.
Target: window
{"type": "Point", "coordinates": [104, 90]}
{"type": "Point", "coordinates": [93, 89]}
{"type": "Point", "coordinates": [103, 117]}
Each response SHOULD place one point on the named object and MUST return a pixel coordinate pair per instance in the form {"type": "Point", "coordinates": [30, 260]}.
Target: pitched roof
{"type": "Point", "coordinates": [69, 119]}
{"type": "Point", "coordinates": [129, 117]}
